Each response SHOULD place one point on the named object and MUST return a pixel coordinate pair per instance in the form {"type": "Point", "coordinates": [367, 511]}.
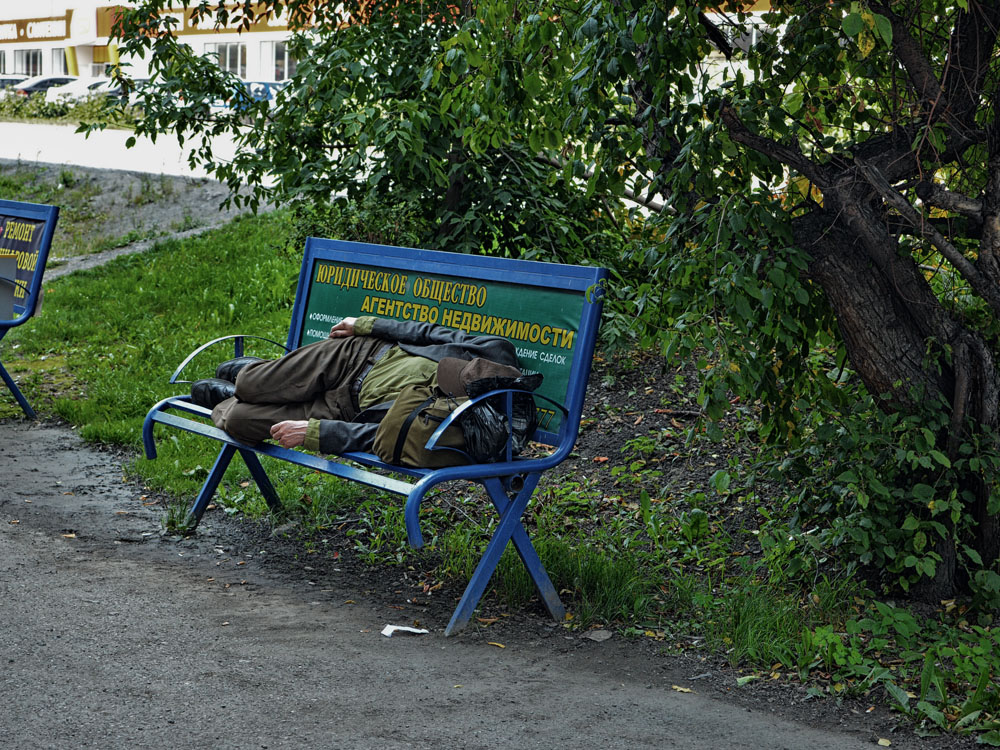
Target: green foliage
{"type": "Point", "coordinates": [369, 114]}
{"type": "Point", "coordinates": [878, 490]}
{"type": "Point", "coordinates": [90, 109]}
{"type": "Point", "coordinates": [371, 220]}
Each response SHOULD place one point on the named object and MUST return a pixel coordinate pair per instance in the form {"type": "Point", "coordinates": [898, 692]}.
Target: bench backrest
{"type": "Point", "coordinates": [25, 233]}
{"type": "Point", "coordinates": [550, 311]}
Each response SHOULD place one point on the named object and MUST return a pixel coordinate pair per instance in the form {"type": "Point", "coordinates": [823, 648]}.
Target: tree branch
{"type": "Point", "coordinates": [791, 157]}
{"type": "Point", "coordinates": [911, 56]}
{"type": "Point", "coordinates": [643, 200]}
{"type": "Point", "coordinates": [937, 196]}
{"type": "Point", "coordinates": [980, 284]}
{"type": "Point", "coordinates": [970, 52]}
{"type": "Point", "coordinates": [989, 244]}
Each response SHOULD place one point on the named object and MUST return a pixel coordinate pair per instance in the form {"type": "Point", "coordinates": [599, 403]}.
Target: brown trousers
{"type": "Point", "coordinates": [313, 382]}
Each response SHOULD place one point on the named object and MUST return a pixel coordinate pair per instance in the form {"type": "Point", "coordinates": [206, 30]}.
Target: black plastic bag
{"type": "Point", "coordinates": [485, 425]}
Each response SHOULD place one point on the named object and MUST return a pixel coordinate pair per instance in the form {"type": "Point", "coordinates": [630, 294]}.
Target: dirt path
{"type": "Point", "coordinates": [117, 637]}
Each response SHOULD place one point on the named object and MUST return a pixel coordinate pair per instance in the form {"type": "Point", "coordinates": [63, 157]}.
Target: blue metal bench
{"type": "Point", "coordinates": [26, 233]}
{"type": "Point", "coordinates": [551, 312]}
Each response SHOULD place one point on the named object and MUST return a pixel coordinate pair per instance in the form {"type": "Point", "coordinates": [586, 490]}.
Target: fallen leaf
{"type": "Point", "coordinates": [638, 419]}
{"type": "Point", "coordinates": [598, 635]}
{"type": "Point", "coordinates": [14, 522]}
{"type": "Point", "coordinates": [600, 459]}
{"type": "Point", "coordinates": [69, 536]}
{"type": "Point", "coordinates": [741, 681]}
{"type": "Point", "coordinates": [680, 689]}
{"type": "Point", "coordinates": [487, 620]}
{"type": "Point", "coordinates": [494, 643]}
{"type": "Point", "coordinates": [884, 742]}
{"type": "Point", "coordinates": [224, 624]}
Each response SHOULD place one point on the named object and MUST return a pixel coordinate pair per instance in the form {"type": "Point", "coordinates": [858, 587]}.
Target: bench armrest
{"type": "Point", "coordinates": [23, 317]}
{"type": "Point", "coordinates": [509, 403]}
{"type": "Point", "coordinates": [237, 351]}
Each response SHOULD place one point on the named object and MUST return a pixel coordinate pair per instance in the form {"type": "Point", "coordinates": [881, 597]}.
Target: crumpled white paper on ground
{"type": "Point", "coordinates": [388, 630]}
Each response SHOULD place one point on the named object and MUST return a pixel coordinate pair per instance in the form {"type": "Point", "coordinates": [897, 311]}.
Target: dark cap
{"type": "Point", "coordinates": [454, 374]}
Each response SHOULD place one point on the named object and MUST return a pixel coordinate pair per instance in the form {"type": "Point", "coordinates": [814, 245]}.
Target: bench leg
{"type": "Point", "coordinates": [215, 476]}
{"type": "Point", "coordinates": [510, 528]}
{"type": "Point", "coordinates": [262, 480]}
{"type": "Point", "coordinates": [526, 551]}
{"type": "Point", "coordinates": [211, 485]}
{"type": "Point", "coordinates": [21, 400]}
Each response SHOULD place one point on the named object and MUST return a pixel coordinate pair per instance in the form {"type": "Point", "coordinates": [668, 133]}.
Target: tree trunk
{"type": "Point", "coordinates": [887, 323]}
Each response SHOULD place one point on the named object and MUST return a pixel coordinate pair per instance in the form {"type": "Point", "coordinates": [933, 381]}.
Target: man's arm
{"type": "Point", "coordinates": [325, 435]}
{"type": "Point", "coordinates": [437, 342]}
{"type": "Point", "coordinates": [434, 341]}
{"type": "Point", "coordinates": [344, 329]}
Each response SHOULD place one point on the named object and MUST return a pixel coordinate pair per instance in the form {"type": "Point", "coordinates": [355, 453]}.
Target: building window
{"type": "Point", "coordinates": [231, 56]}
{"type": "Point", "coordinates": [59, 61]}
{"type": "Point", "coordinates": [3, 61]}
{"type": "Point", "coordinates": [276, 56]}
{"type": "Point", "coordinates": [28, 62]}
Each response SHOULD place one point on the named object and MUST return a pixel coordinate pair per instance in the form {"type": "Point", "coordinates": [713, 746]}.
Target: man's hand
{"type": "Point", "coordinates": [290, 433]}
{"type": "Point", "coordinates": [343, 329]}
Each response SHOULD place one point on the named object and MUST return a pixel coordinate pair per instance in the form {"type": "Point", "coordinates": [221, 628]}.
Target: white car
{"type": "Point", "coordinates": [78, 89]}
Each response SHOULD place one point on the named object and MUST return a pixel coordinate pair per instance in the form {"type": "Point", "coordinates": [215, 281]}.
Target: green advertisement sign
{"type": "Point", "coordinates": [540, 322]}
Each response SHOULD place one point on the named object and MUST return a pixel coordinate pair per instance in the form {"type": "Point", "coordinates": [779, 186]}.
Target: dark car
{"type": "Point", "coordinates": [6, 81]}
{"type": "Point", "coordinates": [41, 83]}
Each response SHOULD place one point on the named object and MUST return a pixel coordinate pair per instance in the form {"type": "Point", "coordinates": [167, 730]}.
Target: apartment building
{"type": "Point", "coordinates": [46, 37]}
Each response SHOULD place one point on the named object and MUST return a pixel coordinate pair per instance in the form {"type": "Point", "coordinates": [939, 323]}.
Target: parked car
{"type": "Point", "coordinates": [115, 89]}
{"type": "Point", "coordinates": [6, 81]}
{"type": "Point", "coordinates": [250, 91]}
{"type": "Point", "coordinates": [77, 89]}
{"type": "Point", "coordinates": [41, 83]}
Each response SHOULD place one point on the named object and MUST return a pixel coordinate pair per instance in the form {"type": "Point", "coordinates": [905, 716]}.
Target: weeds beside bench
{"type": "Point", "coordinates": [551, 312]}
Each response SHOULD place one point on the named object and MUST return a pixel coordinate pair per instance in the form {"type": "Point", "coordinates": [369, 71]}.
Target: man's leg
{"type": "Point", "coordinates": [305, 373]}
{"type": "Point", "coordinates": [313, 382]}
{"type": "Point", "coordinates": [251, 423]}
